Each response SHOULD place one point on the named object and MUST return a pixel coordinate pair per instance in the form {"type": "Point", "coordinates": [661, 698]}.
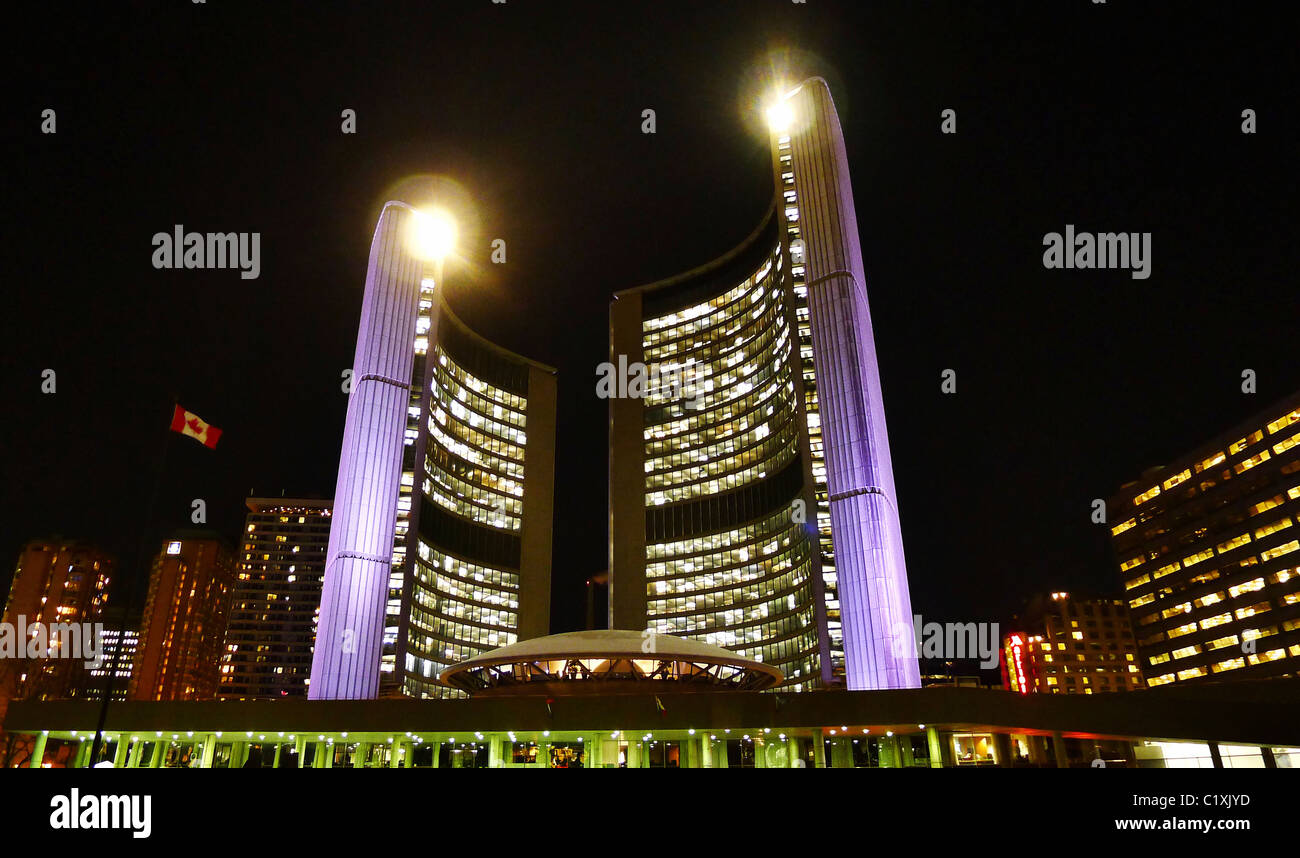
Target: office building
{"type": "Point", "coordinates": [183, 626]}
{"type": "Point", "coordinates": [276, 598]}
{"type": "Point", "coordinates": [57, 584]}
{"type": "Point", "coordinates": [440, 546]}
{"type": "Point", "coordinates": [1208, 549]}
{"type": "Point", "coordinates": [1068, 644]}
{"type": "Point", "coordinates": [752, 500]}
{"type": "Point", "coordinates": [120, 641]}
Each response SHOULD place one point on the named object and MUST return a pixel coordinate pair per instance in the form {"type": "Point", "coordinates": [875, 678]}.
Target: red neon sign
{"type": "Point", "coordinates": [1016, 663]}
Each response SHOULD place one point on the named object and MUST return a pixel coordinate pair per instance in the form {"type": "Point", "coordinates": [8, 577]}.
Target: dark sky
{"type": "Point", "coordinates": [225, 117]}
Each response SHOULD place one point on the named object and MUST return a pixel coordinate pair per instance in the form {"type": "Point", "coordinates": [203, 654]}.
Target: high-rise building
{"type": "Point", "coordinates": [440, 546]}
{"type": "Point", "coordinates": [276, 598]}
{"type": "Point", "coordinates": [183, 627]}
{"type": "Point", "coordinates": [1209, 552]}
{"type": "Point", "coordinates": [117, 633]}
{"type": "Point", "coordinates": [752, 500]}
{"type": "Point", "coordinates": [57, 584]}
{"type": "Point", "coordinates": [1071, 645]}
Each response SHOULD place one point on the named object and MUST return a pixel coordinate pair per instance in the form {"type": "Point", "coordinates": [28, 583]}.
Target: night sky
{"type": "Point", "coordinates": [226, 117]}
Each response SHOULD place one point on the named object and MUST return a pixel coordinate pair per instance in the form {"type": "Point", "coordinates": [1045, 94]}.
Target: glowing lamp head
{"type": "Point", "coordinates": [433, 234]}
{"type": "Point", "coordinates": [779, 116]}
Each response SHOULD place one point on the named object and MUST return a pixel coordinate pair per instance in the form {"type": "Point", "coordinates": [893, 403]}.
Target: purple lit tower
{"type": "Point", "coordinates": [754, 507]}
{"type": "Point", "coordinates": [349, 635]}
{"type": "Point", "coordinates": [440, 546]}
{"type": "Point", "coordinates": [822, 230]}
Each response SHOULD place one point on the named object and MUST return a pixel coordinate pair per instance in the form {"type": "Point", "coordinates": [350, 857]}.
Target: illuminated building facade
{"type": "Point", "coordinates": [55, 582]}
{"type": "Point", "coordinates": [276, 597]}
{"type": "Point", "coordinates": [440, 546]}
{"type": "Point", "coordinates": [752, 498]}
{"type": "Point", "coordinates": [183, 626]}
{"type": "Point", "coordinates": [117, 635]}
{"type": "Point", "coordinates": [1072, 645]}
{"type": "Point", "coordinates": [669, 727]}
{"type": "Point", "coordinates": [1209, 552]}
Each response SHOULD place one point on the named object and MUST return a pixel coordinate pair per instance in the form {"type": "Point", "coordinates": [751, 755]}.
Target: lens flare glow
{"type": "Point", "coordinates": [433, 234]}
{"type": "Point", "coordinates": [779, 116]}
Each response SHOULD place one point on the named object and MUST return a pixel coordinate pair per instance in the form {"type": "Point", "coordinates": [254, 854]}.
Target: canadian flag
{"type": "Point", "coordinates": [189, 424]}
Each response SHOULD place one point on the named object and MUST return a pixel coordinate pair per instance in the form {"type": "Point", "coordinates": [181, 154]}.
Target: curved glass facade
{"type": "Point", "coordinates": [747, 589]}
{"type": "Point", "coordinates": [466, 524]}
{"type": "Point", "coordinates": [441, 544]}
{"type": "Point", "coordinates": [475, 468]}
{"type": "Point", "coordinates": [764, 518]}
{"type": "Point", "coordinates": [730, 421]}
{"type": "Point", "coordinates": [726, 558]}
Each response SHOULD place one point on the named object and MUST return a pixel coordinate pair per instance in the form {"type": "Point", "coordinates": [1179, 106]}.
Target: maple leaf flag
{"type": "Point", "coordinates": [189, 424]}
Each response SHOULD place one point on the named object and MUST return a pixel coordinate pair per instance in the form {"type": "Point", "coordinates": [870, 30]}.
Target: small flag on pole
{"type": "Point", "coordinates": [189, 424]}
{"type": "Point", "coordinates": [660, 704]}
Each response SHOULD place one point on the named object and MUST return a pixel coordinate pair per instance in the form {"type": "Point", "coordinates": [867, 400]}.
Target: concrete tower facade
{"type": "Point", "coordinates": [358, 562]}
{"type": "Point", "coordinates": [821, 222]}
{"type": "Point", "coordinates": [440, 544]}
{"type": "Point", "coordinates": [752, 500]}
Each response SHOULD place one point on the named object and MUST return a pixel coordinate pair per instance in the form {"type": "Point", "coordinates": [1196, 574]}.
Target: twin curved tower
{"type": "Point", "coordinates": [752, 494]}
{"type": "Point", "coordinates": [752, 500]}
{"type": "Point", "coordinates": [440, 546]}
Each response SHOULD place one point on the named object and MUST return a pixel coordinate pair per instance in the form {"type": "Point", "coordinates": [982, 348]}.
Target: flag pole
{"type": "Point", "coordinates": [142, 556]}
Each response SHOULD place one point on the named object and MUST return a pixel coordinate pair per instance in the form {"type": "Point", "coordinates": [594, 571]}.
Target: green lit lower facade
{"type": "Point", "coordinates": [906, 728]}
